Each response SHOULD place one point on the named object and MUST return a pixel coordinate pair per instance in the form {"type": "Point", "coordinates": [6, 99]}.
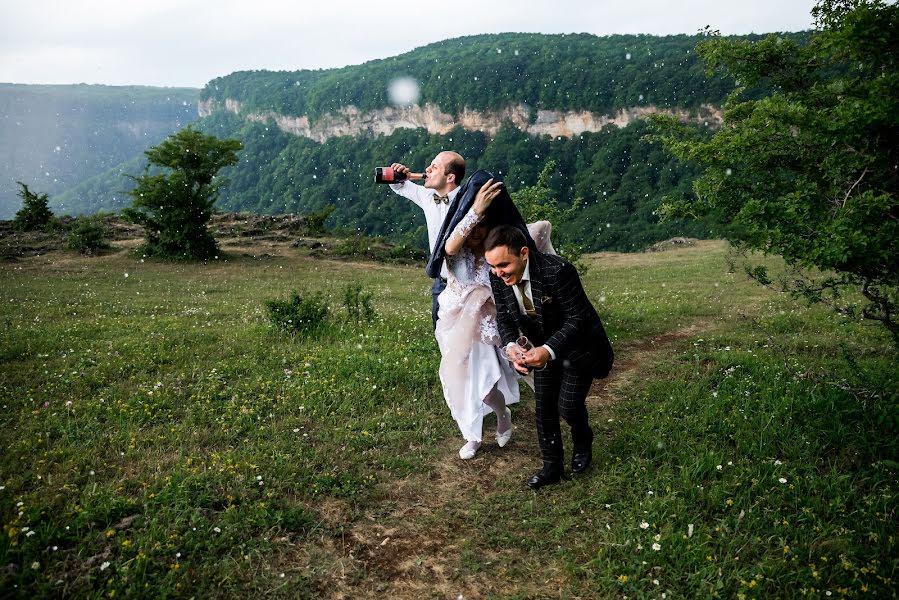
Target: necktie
{"type": "Point", "coordinates": [438, 199]}
{"type": "Point", "coordinates": [528, 305]}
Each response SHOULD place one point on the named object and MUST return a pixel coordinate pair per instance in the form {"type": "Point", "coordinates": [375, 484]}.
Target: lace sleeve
{"type": "Point", "coordinates": [460, 233]}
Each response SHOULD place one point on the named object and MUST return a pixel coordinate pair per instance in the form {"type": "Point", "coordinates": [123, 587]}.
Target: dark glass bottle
{"type": "Point", "coordinates": [388, 175]}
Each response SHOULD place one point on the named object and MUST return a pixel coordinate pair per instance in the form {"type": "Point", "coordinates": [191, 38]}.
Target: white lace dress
{"type": "Point", "coordinates": [471, 363]}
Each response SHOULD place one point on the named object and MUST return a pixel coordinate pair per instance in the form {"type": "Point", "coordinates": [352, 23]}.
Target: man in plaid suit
{"type": "Point", "coordinates": [541, 297]}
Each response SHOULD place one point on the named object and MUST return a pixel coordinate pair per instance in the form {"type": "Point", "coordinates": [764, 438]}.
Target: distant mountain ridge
{"type": "Point", "coordinates": [576, 72]}
{"type": "Point", "coordinates": [557, 85]}
{"type": "Point", "coordinates": [53, 137]}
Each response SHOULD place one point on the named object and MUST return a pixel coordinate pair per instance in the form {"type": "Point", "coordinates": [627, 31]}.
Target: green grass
{"type": "Point", "coordinates": [161, 438]}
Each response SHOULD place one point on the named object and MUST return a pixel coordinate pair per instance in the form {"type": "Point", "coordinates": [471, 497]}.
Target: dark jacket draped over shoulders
{"type": "Point", "coordinates": [502, 211]}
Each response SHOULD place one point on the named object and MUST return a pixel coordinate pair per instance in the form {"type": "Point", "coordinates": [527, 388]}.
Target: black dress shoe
{"type": "Point", "coordinates": [544, 477]}
{"type": "Point", "coordinates": [580, 461]}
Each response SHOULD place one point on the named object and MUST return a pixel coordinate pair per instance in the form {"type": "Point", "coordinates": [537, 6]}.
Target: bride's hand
{"type": "Point", "coordinates": [488, 192]}
{"type": "Point", "coordinates": [516, 354]}
{"type": "Point", "coordinates": [521, 368]}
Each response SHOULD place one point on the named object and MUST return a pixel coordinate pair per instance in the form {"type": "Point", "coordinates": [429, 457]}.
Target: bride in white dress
{"type": "Point", "coordinates": [475, 376]}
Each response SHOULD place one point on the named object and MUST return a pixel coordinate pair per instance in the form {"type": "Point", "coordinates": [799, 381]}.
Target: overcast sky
{"type": "Point", "coordinates": [189, 42]}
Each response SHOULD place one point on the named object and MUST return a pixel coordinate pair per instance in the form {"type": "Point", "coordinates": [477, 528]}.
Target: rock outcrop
{"type": "Point", "coordinates": [350, 121]}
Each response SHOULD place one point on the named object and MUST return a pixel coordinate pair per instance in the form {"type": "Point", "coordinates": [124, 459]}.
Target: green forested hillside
{"type": "Point", "coordinates": [615, 177]}
{"type": "Point", "coordinates": [557, 72]}
{"type": "Point", "coordinates": [53, 137]}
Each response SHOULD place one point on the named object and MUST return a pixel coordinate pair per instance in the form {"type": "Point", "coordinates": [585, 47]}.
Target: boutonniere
{"type": "Point", "coordinates": [546, 299]}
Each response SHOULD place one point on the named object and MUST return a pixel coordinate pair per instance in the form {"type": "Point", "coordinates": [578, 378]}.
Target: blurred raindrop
{"type": "Point", "coordinates": [403, 91]}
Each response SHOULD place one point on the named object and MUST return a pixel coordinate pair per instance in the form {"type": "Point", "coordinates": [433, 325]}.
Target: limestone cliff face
{"type": "Point", "coordinates": [350, 121]}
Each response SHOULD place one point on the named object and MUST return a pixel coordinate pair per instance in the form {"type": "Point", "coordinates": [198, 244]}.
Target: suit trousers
{"type": "Point", "coordinates": [437, 286]}
{"type": "Point", "coordinates": [561, 391]}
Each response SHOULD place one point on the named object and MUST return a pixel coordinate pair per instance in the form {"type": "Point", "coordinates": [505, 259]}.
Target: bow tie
{"type": "Point", "coordinates": [438, 199]}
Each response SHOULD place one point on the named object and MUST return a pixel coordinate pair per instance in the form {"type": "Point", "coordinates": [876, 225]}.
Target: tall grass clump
{"type": "Point", "coordinates": [298, 315]}
{"type": "Point", "coordinates": [358, 303]}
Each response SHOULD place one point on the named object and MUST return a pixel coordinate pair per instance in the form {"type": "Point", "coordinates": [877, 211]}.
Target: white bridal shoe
{"type": "Point", "coordinates": [469, 450]}
{"type": "Point", "coordinates": [503, 438]}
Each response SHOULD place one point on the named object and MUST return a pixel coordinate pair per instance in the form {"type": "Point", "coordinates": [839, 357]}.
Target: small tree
{"type": "Point", "coordinates": [35, 213]}
{"type": "Point", "coordinates": [805, 166]}
{"type": "Point", "coordinates": [536, 203]}
{"type": "Point", "coordinates": [175, 206]}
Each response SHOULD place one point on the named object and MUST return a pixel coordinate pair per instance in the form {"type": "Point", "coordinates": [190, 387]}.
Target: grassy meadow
{"type": "Point", "coordinates": [161, 439]}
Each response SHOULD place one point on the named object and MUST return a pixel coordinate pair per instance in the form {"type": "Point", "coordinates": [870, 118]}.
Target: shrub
{"type": "Point", "coordinates": [375, 248]}
{"type": "Point", "coordinates": [35, 213]}
{"type": "Point", "coordinates": [405, 254]}
{"type": "Point", "coordinates": [88, 235]}
{"type": "Point", "coordinates": [358, 303]}
{"type": "Point", "coordinates": [315, 221]}
{"type": "Point", "coordinates": [298, 315]}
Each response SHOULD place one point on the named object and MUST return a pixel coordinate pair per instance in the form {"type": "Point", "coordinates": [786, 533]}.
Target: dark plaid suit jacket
{"type": "Point", "coordinates": [566, 320]}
